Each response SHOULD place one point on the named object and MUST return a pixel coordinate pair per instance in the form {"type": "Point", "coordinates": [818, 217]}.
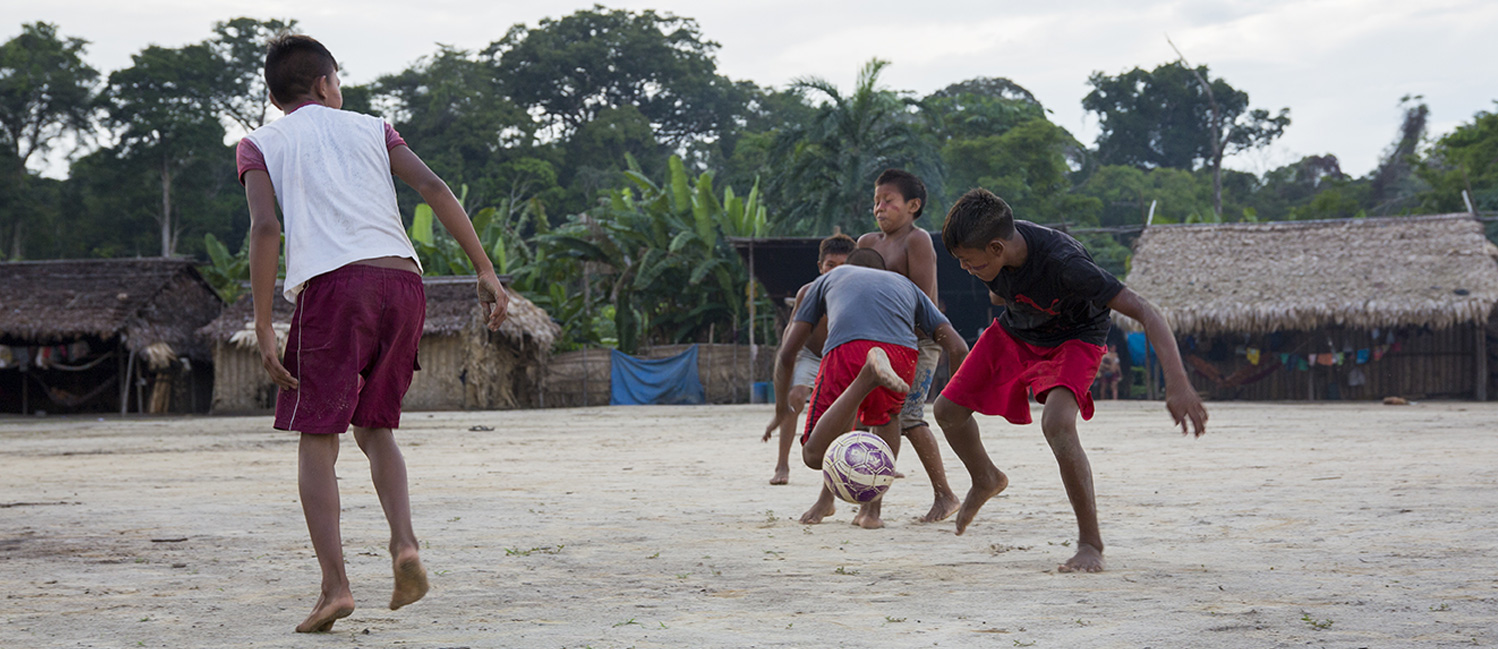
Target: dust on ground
{"type": "Point", "coordinates": [1329, 525]}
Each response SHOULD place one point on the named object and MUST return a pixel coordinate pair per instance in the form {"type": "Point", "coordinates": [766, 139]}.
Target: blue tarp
{"type": "Point", "coordinates": [663, 381]}
{"type": "Point", "coordinates": [1137, 346]}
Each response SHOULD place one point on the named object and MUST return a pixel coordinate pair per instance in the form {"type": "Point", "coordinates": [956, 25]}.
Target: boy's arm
{"type": "Point", "coordinates": [785, 361]}
{"type": "Point", "coordinates": [952, 342]}
{"type": "Point", "coordinates": [920, 259]}
{"type": "Point", "coordinates": [265, 257]}
{"type": "Point", "coordinates": [409, 168]}
{"type": "Point", "coordinates": [1180, 398]}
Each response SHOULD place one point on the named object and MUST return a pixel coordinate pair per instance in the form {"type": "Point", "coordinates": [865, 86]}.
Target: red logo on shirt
{"type": "Point", "coordinates": [1046, 310]}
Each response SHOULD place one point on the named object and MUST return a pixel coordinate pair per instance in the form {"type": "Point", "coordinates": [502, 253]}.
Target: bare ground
{"type": "Point", "coordinates": [1353, 525]}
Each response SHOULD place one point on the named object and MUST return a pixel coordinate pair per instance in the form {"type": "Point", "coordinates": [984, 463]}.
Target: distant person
{"type": "Point", "coordinates": [868, 361]}
{"type": "Point", "coordinates": [1109, 371]}
{"type": "Point", "coordinates": [832, 253]}
{"type": "Point", "coordinates": [359, 300]}
{"type": "Point", "coordinates": [899, 199]}
{"type": "Point", "coordinates": [1049, 341]}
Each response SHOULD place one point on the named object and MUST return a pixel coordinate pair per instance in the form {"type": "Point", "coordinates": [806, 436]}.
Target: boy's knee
{"type": "Point", "coordinates": [812, 460]}
{"type": "Point", "coordinates": [949, 414]}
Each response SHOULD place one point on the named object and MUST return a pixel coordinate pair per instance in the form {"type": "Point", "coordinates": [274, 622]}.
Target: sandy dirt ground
{"type": "Point", "coordinates": [1354, 525]}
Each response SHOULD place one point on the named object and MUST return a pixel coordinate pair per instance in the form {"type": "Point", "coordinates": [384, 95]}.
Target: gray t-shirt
{"type": "Point", "coordinates": [867, 304]}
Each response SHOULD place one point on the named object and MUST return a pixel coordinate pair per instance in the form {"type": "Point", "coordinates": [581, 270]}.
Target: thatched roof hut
{"type": "Point", "coordinates": [464, 366]}
{"type": "Point", "coordinates": [1366, 307]}
{"type": "Point", "coordinates": [146, 300]}
{"type": "Point", "coordinates": [62, 321]}
{"type": "Point", "coordinates": [1433, 271]}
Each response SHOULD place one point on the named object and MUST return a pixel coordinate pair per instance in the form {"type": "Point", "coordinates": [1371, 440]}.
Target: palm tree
{"type": "Point", "coordinates": [823, 171]}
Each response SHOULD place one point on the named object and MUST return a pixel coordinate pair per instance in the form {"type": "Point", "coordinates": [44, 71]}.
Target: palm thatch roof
{"type": "Point", "coordinates": [150, 301]}
{"type": "Point", "coordinates": [452, 305]}
{"type": "Point", "coordinates": [1365, 273]}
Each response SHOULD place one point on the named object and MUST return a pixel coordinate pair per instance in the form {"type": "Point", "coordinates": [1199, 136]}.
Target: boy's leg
{"type": "Point", "coordinates": [317, 484]}
{"type": "Point", "coordinates": [961, 430]}
{"type": "Point", "coordinates": [797, 398]}
{"type": "Point", "coordinates": [387, 469]}
{"type": "Point", "coordinates": [1059, 423]}
{"type": "Point", "coordinates": [945, 502]}
{"type": "Point", "coordinates": [840, 417]}
{"type": "Point", "coordinates": [868, 513]}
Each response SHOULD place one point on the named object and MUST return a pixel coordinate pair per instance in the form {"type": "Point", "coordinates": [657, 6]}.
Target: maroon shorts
{"type": "Point", "coordinates": [1000, 373]}
{"type": "Point", "coordinates": [841, 365]}
{"type": "Point", "coordinates": [352, 348]}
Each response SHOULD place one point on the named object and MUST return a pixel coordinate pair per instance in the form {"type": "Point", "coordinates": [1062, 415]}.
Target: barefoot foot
{"type": "Point", "coordinates": [982, 490]}
{"type": "Point", "coordinates": [410, 581]}
{"type": "Point", "coordinates": [818, 512]}
{"type": "Point", "coordinates": [327, 611]}
{"type": "Point", "coordinates": [1087, 559]}
{"type": "Point", "coordinates": [782, 475]}
{"type": "Point", "coordinates": [944, 506]}
{"type": "Point", "coordinates": [868, 516]}
{"type": "Point", "coordinates": [877, 363]}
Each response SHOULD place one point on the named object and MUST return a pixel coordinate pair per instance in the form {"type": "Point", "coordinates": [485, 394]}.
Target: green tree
{"type": "Point", "coordinates": [162, 107]}
{"type": "Point", "coordinates": [1027, 166]}
{"type": "Point", "coordinates": [1127, 193]}
{"type": "Point", "coordinates": [573, 68]}
{"type": "Point", "coordinates": [45, 97]}
{"type": "Point", "coordinates": [824, 169]}
{"type": "Point", "coordinates": [239, 93]}
{"type": "Point", "coordinates": [1176, 116]}
{"type": "Point", "coordinates": [979, 107]}
{"type": "Point", "coordinates": [1466, 159]}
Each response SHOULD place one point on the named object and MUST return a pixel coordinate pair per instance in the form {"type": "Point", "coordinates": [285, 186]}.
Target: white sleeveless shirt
{"type": "Point", "coordinates": [331, 172]}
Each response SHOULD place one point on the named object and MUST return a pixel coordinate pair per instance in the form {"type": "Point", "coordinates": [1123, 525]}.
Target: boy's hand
{"type": "Point", "coordinates": [781, 412]}
{"type": "Point", "coordinates": [270, 357]}
{"type": "Point", "coordinates": [495, 299]}
{"type": "Point", "coordinates": [1184, 404]}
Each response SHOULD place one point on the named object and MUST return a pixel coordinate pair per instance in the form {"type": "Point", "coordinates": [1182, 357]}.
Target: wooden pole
{"type": "Point", "coordinates": [752, 349]}
{"type": "Point", "coordinates": [1482, 360]}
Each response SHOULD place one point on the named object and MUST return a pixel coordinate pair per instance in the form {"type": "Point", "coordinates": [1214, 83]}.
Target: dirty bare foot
{"type": "Point", "coordinates": [1087, 559]}
{"type": "Point", "coordinates": [868, 516]}
{"type": "Point", "coordinates": [410, 580]}
{"type": "Point", "coordinates": [944, 506]}
{"type": "Point", "coordinates": [877, 363]}
{"type": "Point", "coordinates": [983, 488]}
{"type": "Point", "coordinates": [782, 475]}
{"type": "Point", "coordinates": [820, 509]}
{"type": "Point", "coordinates": [327, 611]}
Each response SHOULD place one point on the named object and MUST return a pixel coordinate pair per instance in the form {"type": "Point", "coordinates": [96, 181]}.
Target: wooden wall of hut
{"type": "Point", "coordinates": [1415, 363]}
{"type": "Point", "coordinates": [723, 368]}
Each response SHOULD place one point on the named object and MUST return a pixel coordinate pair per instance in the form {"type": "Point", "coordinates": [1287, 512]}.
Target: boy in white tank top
{"type": "Point", "coordinates": [356, 281]}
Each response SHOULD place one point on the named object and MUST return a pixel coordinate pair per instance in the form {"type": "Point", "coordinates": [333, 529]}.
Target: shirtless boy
{"type": "Point", "coordinates": [868, 363]}
{"type": "Point", "coordinates": [899, 199]}
{"type": "Point", "coordinates": [832, 253]}
{"type": "Point", "coordinates": [1048, 342]}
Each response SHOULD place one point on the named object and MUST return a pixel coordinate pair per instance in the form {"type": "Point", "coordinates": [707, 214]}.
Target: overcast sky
{"type": "Point", "coordinates": [1341, 66]}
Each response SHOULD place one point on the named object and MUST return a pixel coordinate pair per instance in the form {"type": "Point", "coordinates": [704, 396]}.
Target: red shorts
{"type": "Point", "coordinates": [841, 365]}
{"type": "Point", "coordinates": [1001, 373]}
{"type": "Point", "coordinates": [352, 348]}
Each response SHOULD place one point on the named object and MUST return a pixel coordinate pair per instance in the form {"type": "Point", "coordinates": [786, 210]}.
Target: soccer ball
{"type": "Point", "coordinates": [858, 467]}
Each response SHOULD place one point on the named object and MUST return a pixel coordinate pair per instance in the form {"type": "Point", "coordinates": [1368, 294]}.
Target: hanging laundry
{"type": "Point", "coordinates": [1326, 359]}
{"type": "Point", "coordinates": [1395, 346]}
{"type": "Point", "coordinates": [1253, 356]}
{"type": "Point", "coordinates": [1362, 356]}
{"type": "Point", "coordinates": [1356, 377]}
{"type": "Point", "coordinates": [1284, 359]}
{"type": "Point", "coordinates": [1301, 364]}
{"type": "Point", "coordinates": [1339, 358]}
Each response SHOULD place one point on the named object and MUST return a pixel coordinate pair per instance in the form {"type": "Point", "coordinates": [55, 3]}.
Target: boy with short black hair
{"type": "Point", "coordinates": [900, 199]}
{"type": "Point", "coordinates": [868, 363]}
{"type": "Point", "coordinates": [832, 252]}
{"type": "Point", "coordinates": [1049, 342]}
{"type": "Point", "coordinates": [359, 299]}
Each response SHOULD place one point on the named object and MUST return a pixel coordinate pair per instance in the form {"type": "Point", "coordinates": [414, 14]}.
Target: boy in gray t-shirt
{"type": "Point", "coordinates": [868, 360]}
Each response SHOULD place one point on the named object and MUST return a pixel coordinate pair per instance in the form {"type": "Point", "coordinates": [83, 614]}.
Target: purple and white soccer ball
{"type": "Point", "coordinates": [858, 467]}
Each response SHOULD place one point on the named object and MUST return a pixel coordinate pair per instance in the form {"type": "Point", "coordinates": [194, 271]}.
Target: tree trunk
{"type": "Point", "coordinates": [166, 209]}
{"type": "Point", "coordinates": [1217, 179]}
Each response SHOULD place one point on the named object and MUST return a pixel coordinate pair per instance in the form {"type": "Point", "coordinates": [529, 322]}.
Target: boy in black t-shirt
{"type": "Point", "coordinates": [1052, 335]}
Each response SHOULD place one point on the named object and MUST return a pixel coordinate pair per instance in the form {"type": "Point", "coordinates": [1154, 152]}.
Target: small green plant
{"type": "Point", "coordinates": [844, 571]}
{"type": "Point", "coordinates": [544, 549]}
{"type": "Point", "coordinates": [627, 623]}
{"type": "Point", "coordinates": [769, 516]}
{"type": "Point", "coordinates": [893, 620]}
{"type": "Point", "coordinates": [1031, 643]}
{"type": "Point", "coordinates": [1315, 623]}
{"type": "Point", "coordinates": [1441, 607]}
{"type": "Point", "coordinates": [657, 555]}
{"type": "Point", "coordinates": [683, 575]}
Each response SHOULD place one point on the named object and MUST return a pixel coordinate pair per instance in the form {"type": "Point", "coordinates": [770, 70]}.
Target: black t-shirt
{"type": "Point", "coordinates": [1059, 294]}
